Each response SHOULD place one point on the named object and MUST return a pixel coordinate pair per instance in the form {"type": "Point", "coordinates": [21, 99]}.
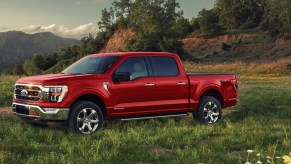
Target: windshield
{"type": "Point", "coordinates": [91, 65]}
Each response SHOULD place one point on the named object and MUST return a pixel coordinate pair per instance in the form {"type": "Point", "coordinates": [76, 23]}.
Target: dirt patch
{"type": "Point", "coordinates": [5, 111]}
{"type": "Point", "coordinates": [117, 42]}
{"type": "Point", "coordinates": [241, 47]}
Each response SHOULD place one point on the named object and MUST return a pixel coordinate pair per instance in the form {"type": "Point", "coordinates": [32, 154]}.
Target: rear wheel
{"type": "Point", "coordinates": [86, 117]}
{"type": "Point", "coordinates": [209, 110]}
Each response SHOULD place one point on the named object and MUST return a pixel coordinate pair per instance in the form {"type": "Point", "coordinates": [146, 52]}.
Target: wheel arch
{"type": "Point", "coordinates": [92, 98]}
{"type": "Point", "coordinates": [214, 93]}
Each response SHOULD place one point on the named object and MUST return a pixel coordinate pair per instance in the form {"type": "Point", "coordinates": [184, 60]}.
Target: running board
{"type": "Point", "coordinates": [150, 117]}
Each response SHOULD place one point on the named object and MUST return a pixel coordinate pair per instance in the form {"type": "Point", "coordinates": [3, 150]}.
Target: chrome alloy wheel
{"type": "Point", "coordinates": [87, 120]}
{"type": "Point", "coordinates": [211, 112]}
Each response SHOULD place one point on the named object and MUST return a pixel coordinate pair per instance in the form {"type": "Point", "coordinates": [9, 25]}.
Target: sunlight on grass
{"type": "Point", "coordinates": [257, 129]}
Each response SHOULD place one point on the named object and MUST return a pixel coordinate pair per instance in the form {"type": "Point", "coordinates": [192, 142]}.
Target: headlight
{"type": "Point", "coordinates": [55, 93]}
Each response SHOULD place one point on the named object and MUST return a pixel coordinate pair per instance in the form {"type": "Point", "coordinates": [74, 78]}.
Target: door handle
{"type": "Point", "coordinates": [149, 84]}
{"type": "Point", "coordinates": [181, 83]}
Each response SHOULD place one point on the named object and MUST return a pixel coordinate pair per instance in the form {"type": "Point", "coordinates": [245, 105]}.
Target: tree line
{"type": "Point", "coordinates": [159, 25]}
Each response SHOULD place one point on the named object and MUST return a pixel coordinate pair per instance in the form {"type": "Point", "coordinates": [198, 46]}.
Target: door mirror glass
{"type": "Point", "coordinates": [122, 76]}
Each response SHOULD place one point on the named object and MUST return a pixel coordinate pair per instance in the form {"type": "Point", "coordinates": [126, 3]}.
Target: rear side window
{"type": "Point", "coordinates": [164, 66]}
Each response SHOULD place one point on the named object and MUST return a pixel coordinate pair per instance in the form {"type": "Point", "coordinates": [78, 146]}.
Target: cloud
{"type": "Point", "coordinates": [4, 28]}
{"type": "Point", "coordinates": [61, 30]}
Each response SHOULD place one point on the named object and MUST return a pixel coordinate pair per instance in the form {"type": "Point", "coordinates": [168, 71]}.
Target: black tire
{"type": "Point", "coordinates": [209, 110]}
{"type": "Point", "coordinates": [85, 117]}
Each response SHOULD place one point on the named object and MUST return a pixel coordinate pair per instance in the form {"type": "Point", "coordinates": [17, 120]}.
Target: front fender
{"type": "Point", "coordinates": [88, 91]}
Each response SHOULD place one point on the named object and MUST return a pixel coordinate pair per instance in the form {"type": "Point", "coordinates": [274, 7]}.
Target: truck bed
{"type": "Point", "coordinates": [208, 74]}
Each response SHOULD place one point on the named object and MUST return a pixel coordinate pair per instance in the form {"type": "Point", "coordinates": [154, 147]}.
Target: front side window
{"type": "Point", "coordinates": [136, 66]}
{"type": "Point", "coordinates": [164, 66]}
{"type": "Point", "coordinates": [91, 65]}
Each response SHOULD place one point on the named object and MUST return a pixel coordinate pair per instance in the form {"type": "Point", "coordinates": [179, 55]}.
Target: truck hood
{"type": "Point", "coordinates": [55, 79]}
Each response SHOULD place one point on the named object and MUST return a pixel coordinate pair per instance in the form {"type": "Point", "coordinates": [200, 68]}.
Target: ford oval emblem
{"type": "Point", "coordinates": [24, 93]}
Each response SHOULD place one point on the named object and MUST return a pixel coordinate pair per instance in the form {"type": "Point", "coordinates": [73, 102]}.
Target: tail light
{"type": "Point", "coordinates": [234, 84]}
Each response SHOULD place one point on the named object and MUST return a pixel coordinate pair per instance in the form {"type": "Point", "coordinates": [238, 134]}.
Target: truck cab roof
{"type": "Point", "coordinates": [133, 54]}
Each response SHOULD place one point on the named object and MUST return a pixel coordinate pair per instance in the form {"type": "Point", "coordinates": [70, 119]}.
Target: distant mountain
{"type": "Point", "coordinates": [16, 46]}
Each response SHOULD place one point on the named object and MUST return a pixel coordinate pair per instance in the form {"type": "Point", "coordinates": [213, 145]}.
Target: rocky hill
{"type": "Point", "coordinates": [226, 48]}
{"type": "Point", "coordinates": [16, 46]}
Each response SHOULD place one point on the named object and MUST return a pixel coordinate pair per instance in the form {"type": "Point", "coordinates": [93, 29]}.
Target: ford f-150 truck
{"type": "Point", "coordinates": [126, 86]}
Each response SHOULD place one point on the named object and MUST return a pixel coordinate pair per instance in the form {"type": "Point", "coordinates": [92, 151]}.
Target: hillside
{"type": "Point", "coordinates": [225, 48]}
{"type": "Point", "coordinates": [17, 46]}
{"type": "Point", "coordinates": [239, 47]}
{"type": "Point", "coordinates": [117, 41]}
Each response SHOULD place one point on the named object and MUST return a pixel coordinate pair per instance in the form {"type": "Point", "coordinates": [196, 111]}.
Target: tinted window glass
{"type": "Point", "coordinates": [136, 66]}
{"type": "Point", "coordinates": [164, 66]}
{"type": "Point", "coordinates": [91, 65]}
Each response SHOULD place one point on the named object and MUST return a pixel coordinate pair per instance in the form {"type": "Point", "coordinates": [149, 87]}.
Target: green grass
{"type": "Point", "coordinates": [260, 122]}
{"type": "Point", "coordinates": [6, 89]}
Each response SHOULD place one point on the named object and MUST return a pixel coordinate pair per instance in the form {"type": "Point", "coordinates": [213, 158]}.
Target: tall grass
{"type": "Point", "coordinates": [6, 89]}
{"type": "Point", "coordinates": [280, 67]}
{"type": "Point", "coordinates": [260, 122]}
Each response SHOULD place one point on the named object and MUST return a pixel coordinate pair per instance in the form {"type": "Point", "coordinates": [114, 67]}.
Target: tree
{"type": "Point", "coordinates": [17, 69]}
{"type": "Point", "coordinates": [155, 32]}
{"type": "Point", "coordinates": [182, 27]}
{"type": "Point", "coordinates": [236, 13]}
{"type": "Point", "coordinates": [30, 68]}
{"type": "Point", "coordinates": [35, 65]}
{"type": "Point", "coordinates": [209, 22]}
{"type": "Point", "coordinates": [107, 19]}
{"type": "Point", "coordinates": [195, 24]}
{"type": "Point", "coordinates": [277, 16]}
{"type": "Point", "coordinates": [122, 10]}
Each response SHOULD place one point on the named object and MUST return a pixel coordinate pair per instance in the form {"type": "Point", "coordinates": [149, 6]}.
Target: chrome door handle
{"type": "Point", "coordinates": [149, 84]}
{"type": "Point", "coordinates": [181, 83]}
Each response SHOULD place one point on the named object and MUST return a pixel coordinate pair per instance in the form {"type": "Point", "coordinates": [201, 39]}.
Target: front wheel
{"type": "Point", "coordinates": [209, 110]}
{"type": "Point", "coordinates": [86, 117]}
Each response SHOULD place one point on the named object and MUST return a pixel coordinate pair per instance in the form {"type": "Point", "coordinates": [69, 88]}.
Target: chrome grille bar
{"type": "Point", "coordinates": [30, 92]}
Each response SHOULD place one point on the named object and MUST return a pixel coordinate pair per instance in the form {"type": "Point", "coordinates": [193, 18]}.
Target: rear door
{"type": "Point", "coordinates": [135, 96]}
{"type": "Point", "coordinates": [171, 85]}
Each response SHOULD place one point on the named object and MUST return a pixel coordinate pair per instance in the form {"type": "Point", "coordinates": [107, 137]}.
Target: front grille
{"type": "Point", "coordinates": [27, 93]}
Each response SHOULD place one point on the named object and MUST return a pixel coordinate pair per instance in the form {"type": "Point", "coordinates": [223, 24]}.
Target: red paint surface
{"type": "Point", "coordinates": [136, 98]}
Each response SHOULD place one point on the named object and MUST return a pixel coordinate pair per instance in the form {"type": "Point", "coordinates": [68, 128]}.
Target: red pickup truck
{"type": "Point", "coordinates": [126, 86]}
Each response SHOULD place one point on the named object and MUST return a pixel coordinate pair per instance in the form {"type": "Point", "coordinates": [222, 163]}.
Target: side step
{"type": "Point", "coordinates": [150, 117]}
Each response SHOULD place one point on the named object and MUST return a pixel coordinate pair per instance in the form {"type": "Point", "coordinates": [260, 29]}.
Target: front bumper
{"type": "Point", "coordinates": [37, 113]}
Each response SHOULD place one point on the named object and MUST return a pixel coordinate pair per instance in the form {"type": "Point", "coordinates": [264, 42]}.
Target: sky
{"type": "Point", "coordinates": [68, 18]}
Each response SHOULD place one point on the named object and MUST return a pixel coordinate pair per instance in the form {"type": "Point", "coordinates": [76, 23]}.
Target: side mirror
{"type": "Point", "coordinates": [122, 76]}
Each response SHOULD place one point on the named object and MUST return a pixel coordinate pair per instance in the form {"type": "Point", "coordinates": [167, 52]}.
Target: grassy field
{"type": "Point", "coordinates": [261, 122]}
{"type": "Point", "coordinates": [6, 89]}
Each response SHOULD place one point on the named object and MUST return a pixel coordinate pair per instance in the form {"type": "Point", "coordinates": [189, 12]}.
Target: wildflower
{"type": "Point", "coordinates": [268, 157]}
{"type": "Point", "coordinates": [247, 163]}
{"type": "Point", "coordinates": [250, 151]}
{"type": "Point", "coordinates": [259, 162]}
{"type": "Point", "coordinates": [287, 158]}
{"type": "Point", "coordinates": [259, 155]}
